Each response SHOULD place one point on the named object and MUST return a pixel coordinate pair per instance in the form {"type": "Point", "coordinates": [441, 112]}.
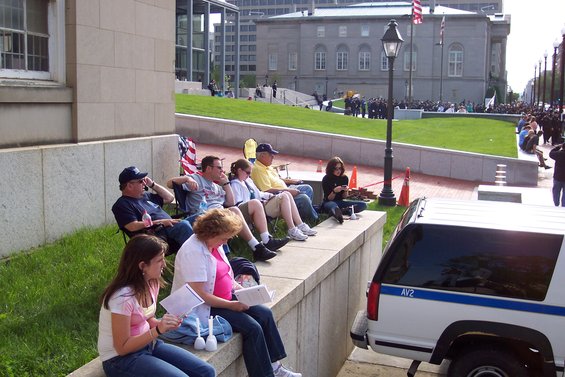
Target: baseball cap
{"type": "Point", "coordinates": [131, 173]}
{"type": "Point", "coordinates": [263, 147]}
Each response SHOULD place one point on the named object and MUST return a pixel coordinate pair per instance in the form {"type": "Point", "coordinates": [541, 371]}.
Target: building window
{"type": "Point", "coordinates": [407, 59]}
{"type": "Point", "coordinates": [364, 61]}
{"type": "Point", "coordinates": [292, 61]}
{"type": "Point", "coordinates": [321, 31]}
{"type": "Point", "coordinates": [25, 38]}
{"type": "Point", "coordinates": [384, 62]}
{"type": "Point", "coordinates": [272, 62]}
{"type": "Point", "coordinates": [455, 61]}
{"type": "Point", "coordinates": [365, 30]}
{"type": "Point", "coordinates": [320, 60]}
{"type": "Point", "coordinates": [342, 57]}
{"type": "Point", "coordinates": [342, 32]}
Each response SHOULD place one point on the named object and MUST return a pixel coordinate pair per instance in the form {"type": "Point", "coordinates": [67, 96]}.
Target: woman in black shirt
{"type": "Point", "coordinates": [335, 186]}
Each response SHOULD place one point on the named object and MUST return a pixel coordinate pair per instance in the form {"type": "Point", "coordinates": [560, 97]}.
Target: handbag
{"type": "Point", "coordinates": [188, 331]}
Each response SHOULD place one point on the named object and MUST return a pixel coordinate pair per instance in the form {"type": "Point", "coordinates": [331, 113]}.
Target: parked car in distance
{"type": "Point", "coordinates": [479, 283]}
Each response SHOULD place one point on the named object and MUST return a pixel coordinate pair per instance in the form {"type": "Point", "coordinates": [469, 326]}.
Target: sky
{"type": "Point", "coordinates": [535, 26]}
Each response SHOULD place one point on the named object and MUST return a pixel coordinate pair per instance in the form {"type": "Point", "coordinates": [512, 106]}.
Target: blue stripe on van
{"type": "Point", "coordinates": [458, 298]}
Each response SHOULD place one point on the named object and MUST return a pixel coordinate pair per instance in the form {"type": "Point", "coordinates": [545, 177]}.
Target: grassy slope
{"type": "Point", "coordinates": [465, 134]}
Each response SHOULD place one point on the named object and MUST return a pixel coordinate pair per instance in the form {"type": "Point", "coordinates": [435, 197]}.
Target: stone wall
{"type": "Point", "coordinates": [318, 145]}
{"type": "Point", "coordinates": [54, 190]}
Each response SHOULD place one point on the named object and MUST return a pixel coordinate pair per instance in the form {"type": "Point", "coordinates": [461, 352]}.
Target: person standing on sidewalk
{"type": "Point", "coordinates": [558, 190]}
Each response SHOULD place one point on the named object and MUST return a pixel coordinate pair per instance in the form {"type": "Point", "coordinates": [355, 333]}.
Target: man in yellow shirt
{"type": "Point", "coordinates": [266, 178]}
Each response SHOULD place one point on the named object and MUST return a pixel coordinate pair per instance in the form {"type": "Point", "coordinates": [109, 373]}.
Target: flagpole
{"type": "Point", "coordinates": [441, 63]}
{"type": "Point", "coordinates": [411, 52]}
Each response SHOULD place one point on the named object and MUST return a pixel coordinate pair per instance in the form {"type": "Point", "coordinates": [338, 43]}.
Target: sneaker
{"type": "Point", "coordinates": [304, 228]}
{"type": "Point", "coordinates": [297, 235]}
{"type": "Point", "coordinates": [283, 372]}
{"type": "Point", "coordinates": [261, 253]}
{"type": "Point", "coordinates": [547, 167]}
{"type": "Point", "coordinates": [276, 243]}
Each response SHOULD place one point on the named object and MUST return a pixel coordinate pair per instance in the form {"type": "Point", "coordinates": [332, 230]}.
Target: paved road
{"type": "Point", "coordinates": [366, 363]}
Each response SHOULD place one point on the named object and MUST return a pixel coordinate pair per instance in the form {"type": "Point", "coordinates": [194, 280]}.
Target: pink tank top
{"type": "Point", "coordinates": [223, 284]}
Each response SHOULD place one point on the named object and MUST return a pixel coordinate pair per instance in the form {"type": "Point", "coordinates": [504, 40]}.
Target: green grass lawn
{"type": "Point", "coordinates": [492, 137]}
{"type": "Point", "coordinates": [49, 303]}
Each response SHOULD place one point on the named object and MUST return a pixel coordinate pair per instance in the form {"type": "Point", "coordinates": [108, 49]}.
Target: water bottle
{"type": "Point", "coordinates": [203, 207]}
{"type": "Point", "coordinates": [146, 219]}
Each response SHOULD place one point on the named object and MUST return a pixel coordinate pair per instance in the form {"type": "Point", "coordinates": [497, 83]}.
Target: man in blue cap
{"type": "Point", "coordinates": [135, 201]}
{"type": "Point", "coordinates": [267, 179]}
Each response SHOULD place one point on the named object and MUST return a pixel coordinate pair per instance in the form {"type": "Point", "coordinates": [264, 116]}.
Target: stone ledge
{"type": "Point", "coordinates": [302, 274]}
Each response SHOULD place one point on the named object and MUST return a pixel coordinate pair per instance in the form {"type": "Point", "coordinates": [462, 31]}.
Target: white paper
{"type": "Point", "coordinates": [256, 295]}
{"type": "Point", "coordinates": [182, 301]}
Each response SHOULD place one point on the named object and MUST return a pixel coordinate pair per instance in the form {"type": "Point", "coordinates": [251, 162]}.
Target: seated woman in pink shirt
{"type": "Point", "coordinates": [128, 329]}
{"type": "Point", "coordinates": [202, 263]}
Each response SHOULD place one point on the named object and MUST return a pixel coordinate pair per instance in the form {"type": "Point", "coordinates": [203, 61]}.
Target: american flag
{"type": "Point", "coordinates": [417, 17]}
{"type": "Point", "coordinates": [441, 30]}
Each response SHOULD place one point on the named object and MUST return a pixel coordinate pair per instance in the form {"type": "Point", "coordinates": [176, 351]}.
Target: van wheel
{"type": "Point", "coordinates": [490, 362]}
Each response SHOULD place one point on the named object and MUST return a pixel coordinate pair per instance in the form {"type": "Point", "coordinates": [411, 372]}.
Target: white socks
{"type": "Point", "coordinates": [265, 237]}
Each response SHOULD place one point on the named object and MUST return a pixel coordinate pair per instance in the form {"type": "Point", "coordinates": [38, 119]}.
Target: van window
{"type": "Point", "coordinates": [474, 260]}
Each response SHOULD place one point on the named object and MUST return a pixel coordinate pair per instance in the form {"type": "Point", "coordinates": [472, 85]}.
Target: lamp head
{"type": "Point", "coordinates": [563, 31]}
{"type": "Point", "coordinates": [392, 40]}
{"type": "Point", "coordinates": [556, 43]}
{"type": "Point", "coordinates": [545, 55]}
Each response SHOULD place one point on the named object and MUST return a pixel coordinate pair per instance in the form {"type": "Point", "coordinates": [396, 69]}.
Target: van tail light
{"type": "Point", "coordinates": [373, 301]}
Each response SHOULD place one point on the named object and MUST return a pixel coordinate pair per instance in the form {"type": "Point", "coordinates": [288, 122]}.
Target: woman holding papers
{"type": "Point", "coordinates": [128, 329]}
{"type": "Point", "coordinates": [202, 263]}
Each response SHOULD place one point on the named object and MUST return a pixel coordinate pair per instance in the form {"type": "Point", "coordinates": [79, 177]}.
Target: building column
{"type": "Point", "coordinates": [236, 56]}
{"type": "Point", "coordinates": [189, 37]}
{"type": "Point", "coordinates": [206, 78]}
{"type": "Point", "coordinates": [223, 50]}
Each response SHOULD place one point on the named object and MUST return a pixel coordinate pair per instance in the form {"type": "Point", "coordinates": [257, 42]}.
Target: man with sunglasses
{"type": "Point", "coordinates": [135, 201]}
{"type": "Point", "coordinates": [211, 189]}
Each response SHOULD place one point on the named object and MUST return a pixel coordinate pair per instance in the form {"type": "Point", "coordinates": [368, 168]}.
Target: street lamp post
{"type": "Point", "coordinates": [391, 44]}
{"type": "Point", "coordinates": [327, 86]}
{"type": "Point", "coordinates": [534, 88]}
{"type": "Point", "coordinates": [295, 83]}
{"type": "Point", "coordinates": [539, 84]}
{"type": "Point", "coordinates": [544, 80]}
{"type": "Point", "coordinates": [553, 67]}
{"type": "Point", "coordinates": [562, 72]}
{"type": "Point", "coordinates": [266, 79]}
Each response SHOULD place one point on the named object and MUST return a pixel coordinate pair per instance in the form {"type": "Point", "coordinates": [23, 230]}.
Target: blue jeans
{"type": "Point", "coordinates": [262, 343]}
{"type": "Point", "coordinates": [304, 189]}
{"type": "Point", "coordinates": [558, 190]}
{"type": "Point", "coordinates": [357, 205]}
{"type": "Point", "coordinates": [305, 208]}
{"type": "Point", "coordinates": [179, 232]}
{"type": "Point", "coordinates": [161, 359]}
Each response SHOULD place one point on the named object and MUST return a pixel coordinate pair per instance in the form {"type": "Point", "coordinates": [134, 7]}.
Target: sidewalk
{"type": "Point", "coordinates": [420, 184]}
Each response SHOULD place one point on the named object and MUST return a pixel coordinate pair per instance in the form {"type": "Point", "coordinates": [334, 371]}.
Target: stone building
{"type": "Point", "coordinates": [251, 10]}
{"type": "Point", "coordinates": [333, 50]}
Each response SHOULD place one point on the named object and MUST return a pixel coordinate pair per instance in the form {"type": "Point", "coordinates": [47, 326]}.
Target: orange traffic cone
{"type": "Point", "coordinates": [319, 169]}
{"type": "Point", "coordinates": [404, 199]}
{"type": "Point", "coordinates": [353, 180]}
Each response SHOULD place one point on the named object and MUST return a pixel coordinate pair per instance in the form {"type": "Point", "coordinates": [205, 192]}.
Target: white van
{"type": "Point", "coordinates": [476, 282]}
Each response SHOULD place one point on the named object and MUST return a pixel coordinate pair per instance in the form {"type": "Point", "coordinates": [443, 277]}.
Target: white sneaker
{"type": "Point", "coordinates": [283, 372]}
{"type": "Point", "coordinates": [304, 228]}
{"type": "Point", "coordinates": [296, 234]}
